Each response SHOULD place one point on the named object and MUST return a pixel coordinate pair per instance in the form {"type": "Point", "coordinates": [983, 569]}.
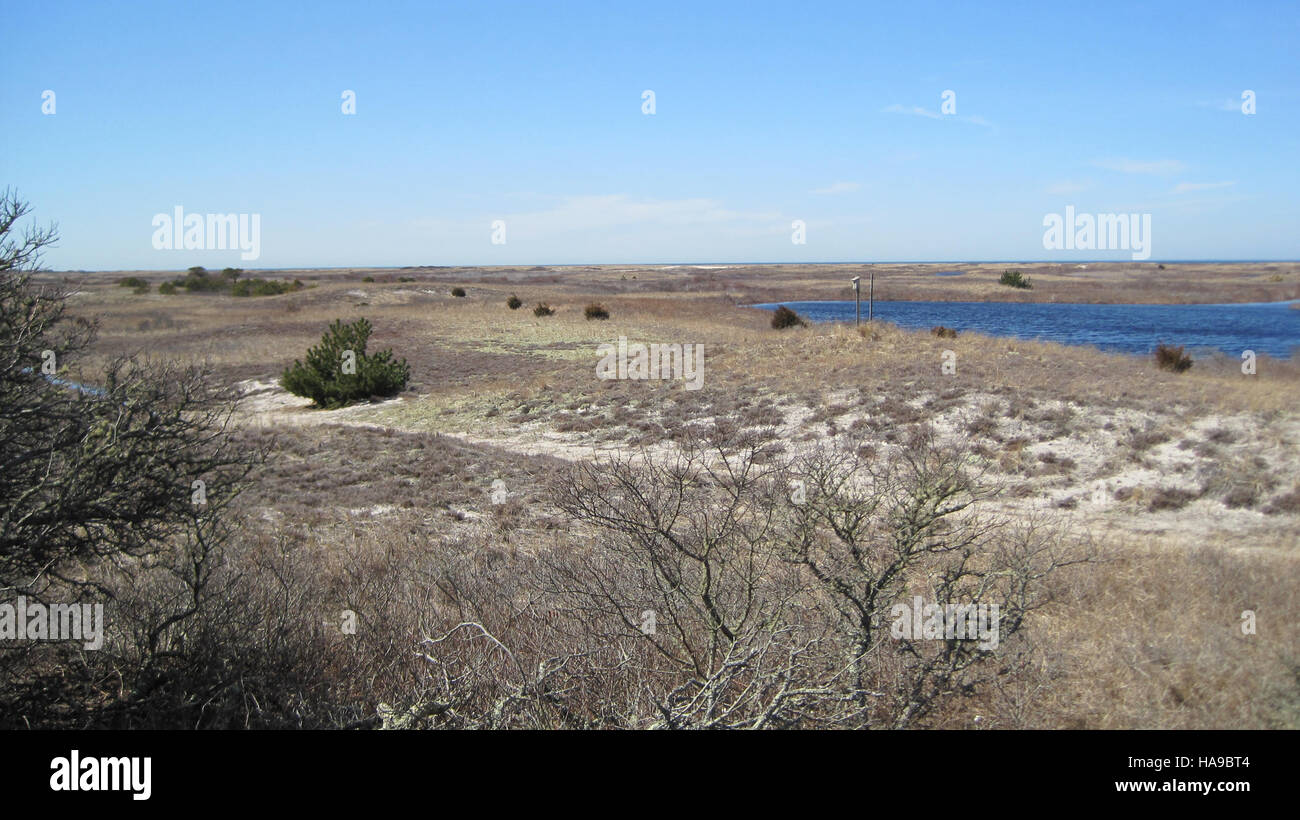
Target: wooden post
{"type": "Point", "coordinates": [857, 296]}
{"type": "Point", "coordinates": [871, 296]}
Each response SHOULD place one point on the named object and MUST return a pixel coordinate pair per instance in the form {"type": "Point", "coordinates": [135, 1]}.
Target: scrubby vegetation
{"type": "Point", "coordinates": [1015, 279]}
{"type": "Point", "coordinates": [264, 287]}
{"type": "Point", "coordinates": [1172, 358]}
{"type": "Point", "coordinates": [595, 311]}
{"type": "Point", "coordinates": [338, 371]}
{"type": "Point", "coordinates": [198, 280]}
{"type": "Point", "coordinates": [727, 558]}
{"type": "Point", "coordinates": [784, 317]}
{"type": "Point", "coordinates": [543, 309]}
{"type": "Point", "coordinates": [459, 293]}
{"type": "Point", "coordinates": [514, 302]}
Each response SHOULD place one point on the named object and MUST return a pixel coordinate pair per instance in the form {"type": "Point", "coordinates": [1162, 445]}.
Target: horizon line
{"type": "Point", "coordinates": [1205, 261]}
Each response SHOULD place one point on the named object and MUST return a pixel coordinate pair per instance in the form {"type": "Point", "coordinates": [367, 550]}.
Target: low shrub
{"type": "Point", "coordinates": [595, 311]}
{"type": "Point", "coordinates": [1172, 358]}
{"type": "Point", "coordinates": [1285, 504]}
{"type": "Point", "coordinates": [459, 293]}
{"type": "Point", "coordinates": [197, 280]}
{"type": "Point", "coordinates": [784, 317]}
{"type": "Point", "coordinates": [943, 332]}
{"type": "Point", "coordinates": [132, 282]}
{"type": "Point", "coordinates": [263, 287]}
{"type": "Point", "coordinates": [543, 309]}
{"type": "Point", "coordinates": [167, 288]}
{"type": "Point", "coordinates": [1170, 498]}
{"type": "Point", "coordinates": [1015, 279]}
{"type": "Point", "coordinates": [338, 371]}
{"type": "Point", "coordinates": [514, 302]}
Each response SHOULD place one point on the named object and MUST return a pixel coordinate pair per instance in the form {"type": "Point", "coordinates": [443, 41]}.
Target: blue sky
{"type": "Point", "coordinates": [765, 113]}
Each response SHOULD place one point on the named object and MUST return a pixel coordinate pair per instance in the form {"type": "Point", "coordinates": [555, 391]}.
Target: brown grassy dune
{"type": "Point", "coordinates": [1186, 482]}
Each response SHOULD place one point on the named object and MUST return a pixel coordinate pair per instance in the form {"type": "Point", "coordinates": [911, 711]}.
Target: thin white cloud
{"type": "Point", "coordinates": [1131, 166]}
{"type": "Point", "coordinates": [1184, 187]}
{"type": "Point", "coordinates": [915, 110]}
{"type": "Point", "coordinates": [838, 188]}
{"type": "Point", "coordinates": [920, 111]}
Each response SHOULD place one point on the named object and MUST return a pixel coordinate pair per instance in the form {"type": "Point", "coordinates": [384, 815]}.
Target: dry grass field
{"type": "Point", "coordinates": [1185, 487]}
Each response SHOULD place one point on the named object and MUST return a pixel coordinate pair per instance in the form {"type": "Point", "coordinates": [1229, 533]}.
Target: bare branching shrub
{"type": "Point", "coordinates": [1172, 358]}
{"type": "Point", "coordinates": [768, 610]}
{"type": "Point", "coordinates": [107, 485]}
{"type": "Point", "coordinates": [873, 534]}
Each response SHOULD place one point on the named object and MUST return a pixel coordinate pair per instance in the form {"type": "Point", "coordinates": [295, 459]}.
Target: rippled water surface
{"type": "Point", "coordinates": [1265, 327]}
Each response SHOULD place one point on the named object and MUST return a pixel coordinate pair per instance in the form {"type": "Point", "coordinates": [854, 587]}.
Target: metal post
{"type": "Point", "coordinates": [857, 296]}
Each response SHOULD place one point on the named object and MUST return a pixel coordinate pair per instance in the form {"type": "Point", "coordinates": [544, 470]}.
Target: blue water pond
{"type": "Point", "coordinates": [1264, 327]}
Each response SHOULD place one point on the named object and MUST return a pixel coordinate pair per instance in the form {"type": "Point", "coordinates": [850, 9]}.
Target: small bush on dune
{"type": "Point", "coordinates": [1015, 279]}
{"type": "Point", "coordinates": [943, 332]}
{"type": "Point", "coordinates": [167, 288]}
{"type": "Point", "coordinates": [338, 371]}
{"type": "Point", "coordinates": [543, 309]}
{"type": "Point", "coordinates": [785, 317]}
{"type": "Point", "coordinates": [1172, 358]}
{"type": "Point", "coordinates": [459, 293]}
{"type": "Point", "coordinates": [132, 282]}
{"type": "Point", "coordinates": [595, 311]}
{"type": "Point", "coordinates": [367, 279]}
{"type": "Point", "coordinates": [514, 302]}
{"type": "Point", "coordinates": [197, 280]}
{"type": "Point", "coordinates": [1285, 504]}
{"type": "Point", "coordinates": [263, 287]}
{"type": "Point", "coordinates": [1170, 498]}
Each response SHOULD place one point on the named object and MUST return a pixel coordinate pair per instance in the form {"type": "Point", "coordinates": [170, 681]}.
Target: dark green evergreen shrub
{"type": "Point", "coordinates": [338, 371]}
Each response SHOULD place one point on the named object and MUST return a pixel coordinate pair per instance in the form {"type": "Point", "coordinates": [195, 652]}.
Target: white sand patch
{"type": "Point", "coordinates": [375, 511]}
{"type": "Point", "coordinates": [1092, 456]}
{"type": "Point", "coordinates": [263, 403]}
